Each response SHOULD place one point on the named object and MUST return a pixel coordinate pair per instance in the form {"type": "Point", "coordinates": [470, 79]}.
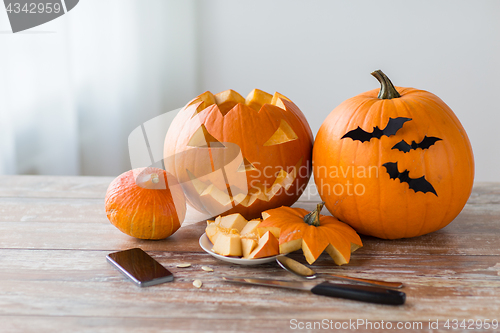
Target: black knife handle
{"type": "Point", "coordinates": [360, 293]}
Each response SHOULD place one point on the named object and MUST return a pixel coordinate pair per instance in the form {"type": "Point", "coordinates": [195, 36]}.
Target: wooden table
{"type": "Point", "coordinates": [54, 237]}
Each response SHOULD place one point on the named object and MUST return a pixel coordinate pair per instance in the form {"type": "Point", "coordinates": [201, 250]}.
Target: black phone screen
{"type": "Point", "coordinates": [140, 267]}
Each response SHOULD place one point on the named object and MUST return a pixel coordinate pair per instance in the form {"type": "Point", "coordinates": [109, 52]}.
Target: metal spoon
{"type": "Point", "coordinates": [303, 271]}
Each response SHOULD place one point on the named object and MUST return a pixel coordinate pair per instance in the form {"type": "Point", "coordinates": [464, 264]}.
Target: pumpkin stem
{"type": "Point", "coordinates": [313, 217]}
{"type": "Point", "coordinates": [154, 178]}
{"type": "Point", "coordinates": [387, 90]}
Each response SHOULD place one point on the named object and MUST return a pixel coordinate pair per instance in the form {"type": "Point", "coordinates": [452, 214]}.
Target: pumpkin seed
{"type": "Point", "coordinates": [207, 269]}
{"type": "Point", "coordinates": [197, 283]}
{"type": "Point", "coordinates": [183, 265]}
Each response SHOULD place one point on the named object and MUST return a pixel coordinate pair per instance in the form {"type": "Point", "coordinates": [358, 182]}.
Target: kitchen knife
{"type": "Point", "coordinates": [349, 291]}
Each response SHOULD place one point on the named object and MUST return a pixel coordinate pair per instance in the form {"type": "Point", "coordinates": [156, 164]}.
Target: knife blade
{"type": "Point", "coordinates": [349, 291]}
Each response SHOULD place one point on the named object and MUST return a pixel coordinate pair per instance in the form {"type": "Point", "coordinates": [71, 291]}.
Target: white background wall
{"type": "Point", "coordinates": [319, 53]}
{"type": "Point", "coordinates": [121, 62]}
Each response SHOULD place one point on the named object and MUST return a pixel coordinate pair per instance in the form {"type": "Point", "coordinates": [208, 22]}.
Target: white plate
{"type": "Point", "coordinates": [206, 245]}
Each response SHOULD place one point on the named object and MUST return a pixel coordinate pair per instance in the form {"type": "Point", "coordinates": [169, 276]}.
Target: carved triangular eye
{"type": "Point", "coordinates": [201, 138]}
{"type": "Point", "coordinates": [246, 166]}
{"type": "Point", "coordinates": [283, 134]}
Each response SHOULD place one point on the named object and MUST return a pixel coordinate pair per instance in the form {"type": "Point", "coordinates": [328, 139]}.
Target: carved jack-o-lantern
{"type": "Point", "coordinates": [240, 155]}
{"type": "Point", "coordinates": [394, 165]}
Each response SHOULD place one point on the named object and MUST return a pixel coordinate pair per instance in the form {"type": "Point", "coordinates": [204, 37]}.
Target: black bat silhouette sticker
{"type": "Point", "coordinates": [424, 144]}
{"type": "Point", "coordinates": [416, 184]}
{"type": "Point", "coordinates": [394, 125]}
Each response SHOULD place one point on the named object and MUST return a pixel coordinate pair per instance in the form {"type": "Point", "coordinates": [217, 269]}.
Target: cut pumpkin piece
{"type": "Point", "coordinates": [213, 231]}
{"type": "Point", "coordinates": [233, 221]}
{"type": "Point", "coordinates": [354, 247]}
{"type": "Point", "coordinates": [228, 245]}
{"type": "Point", "coordinates": [268, 246]}
{"type": "Point", "coordinates": [247, 246]}
{"type": "Point", "coordinates": [250, 229]}
{"type": "Point", "coordinates": [263, 228]}
{"type": "Point", "coordinates": [233, 235]}
{"type": "Point", "coordinates": [257, 98]}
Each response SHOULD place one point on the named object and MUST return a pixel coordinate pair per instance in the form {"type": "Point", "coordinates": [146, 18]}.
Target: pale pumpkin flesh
{"type": "Point", "coordinates": [267, 246]}
{"type": "Point", "coordinates": [247, 246]}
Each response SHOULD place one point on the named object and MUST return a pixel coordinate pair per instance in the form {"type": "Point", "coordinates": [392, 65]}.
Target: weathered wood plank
{"type": "Point", "coordinates": [63, 210]}
{"type": "Point", "coordinates": [82, 283]}
{"type": "Point", "coordinates": [83, 187]}
{"type": "Point", "coordinates": [77, 324]}
{"type": "Point", "coordinates": [216, 301]}
{"type": "Point", "coordinates": [95, 187]}
{"type": "Point", "coordinates": [69, 209]}
{"type": "Point", "coordinates": [484, 217]}
{"type": "Point", "coordinates": [85, 266]}
{"type": "Point", "coordinates": [104, 236]}
{"type": "Point", "coordinates": [54, 186]}
{"type": "Point", "coordinates": [224, 301]}
{"type": "Point", "coordinates": [88, 236]}
{"type": "Point", "coordinates": [482, 210]}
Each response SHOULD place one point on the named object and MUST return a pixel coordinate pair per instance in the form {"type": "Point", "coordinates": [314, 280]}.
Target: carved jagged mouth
{"type": "Point", "coordinates": [256, 191]}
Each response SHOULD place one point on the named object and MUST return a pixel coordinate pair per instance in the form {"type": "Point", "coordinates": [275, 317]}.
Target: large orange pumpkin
{"type": "Point", "coordinates": [237, 155]}
{"type": "Point", "coordinates": [146, 203]}
{"type": "Point", "coordinates": [393, 162]}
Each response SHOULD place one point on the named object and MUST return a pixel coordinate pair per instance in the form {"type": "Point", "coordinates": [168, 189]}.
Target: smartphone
{"type": "Point", "coordinates": [140, 267]}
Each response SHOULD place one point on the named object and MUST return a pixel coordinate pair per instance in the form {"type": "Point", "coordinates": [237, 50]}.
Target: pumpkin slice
{"type": "Point", "coordinates": [247, 246]}
{"type": "Point", "coordinates": [213, 230]}
{"type": "Point", "coordinates": [268, 246]}
{"type": "Point", "coordinates": [233, 221]}
{"type": "Point", "coordinates": [228, 244]}
{"type": "Point", "coordinates": [233, 235]}
{"type": "Point", "coordinates": [313, 233]}
{"type": "Point", "coordinates": [250, 230]}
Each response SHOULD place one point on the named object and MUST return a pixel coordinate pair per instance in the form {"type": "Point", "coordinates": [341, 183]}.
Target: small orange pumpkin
{"type": "Point", "coordinates": [296, 229]}
{"type": "Point", "coordinates": [272, 145]}
{"type": "Point", "coordinates": [393, 162]}
{"type": "Point", "coordinates": [146, 203]}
